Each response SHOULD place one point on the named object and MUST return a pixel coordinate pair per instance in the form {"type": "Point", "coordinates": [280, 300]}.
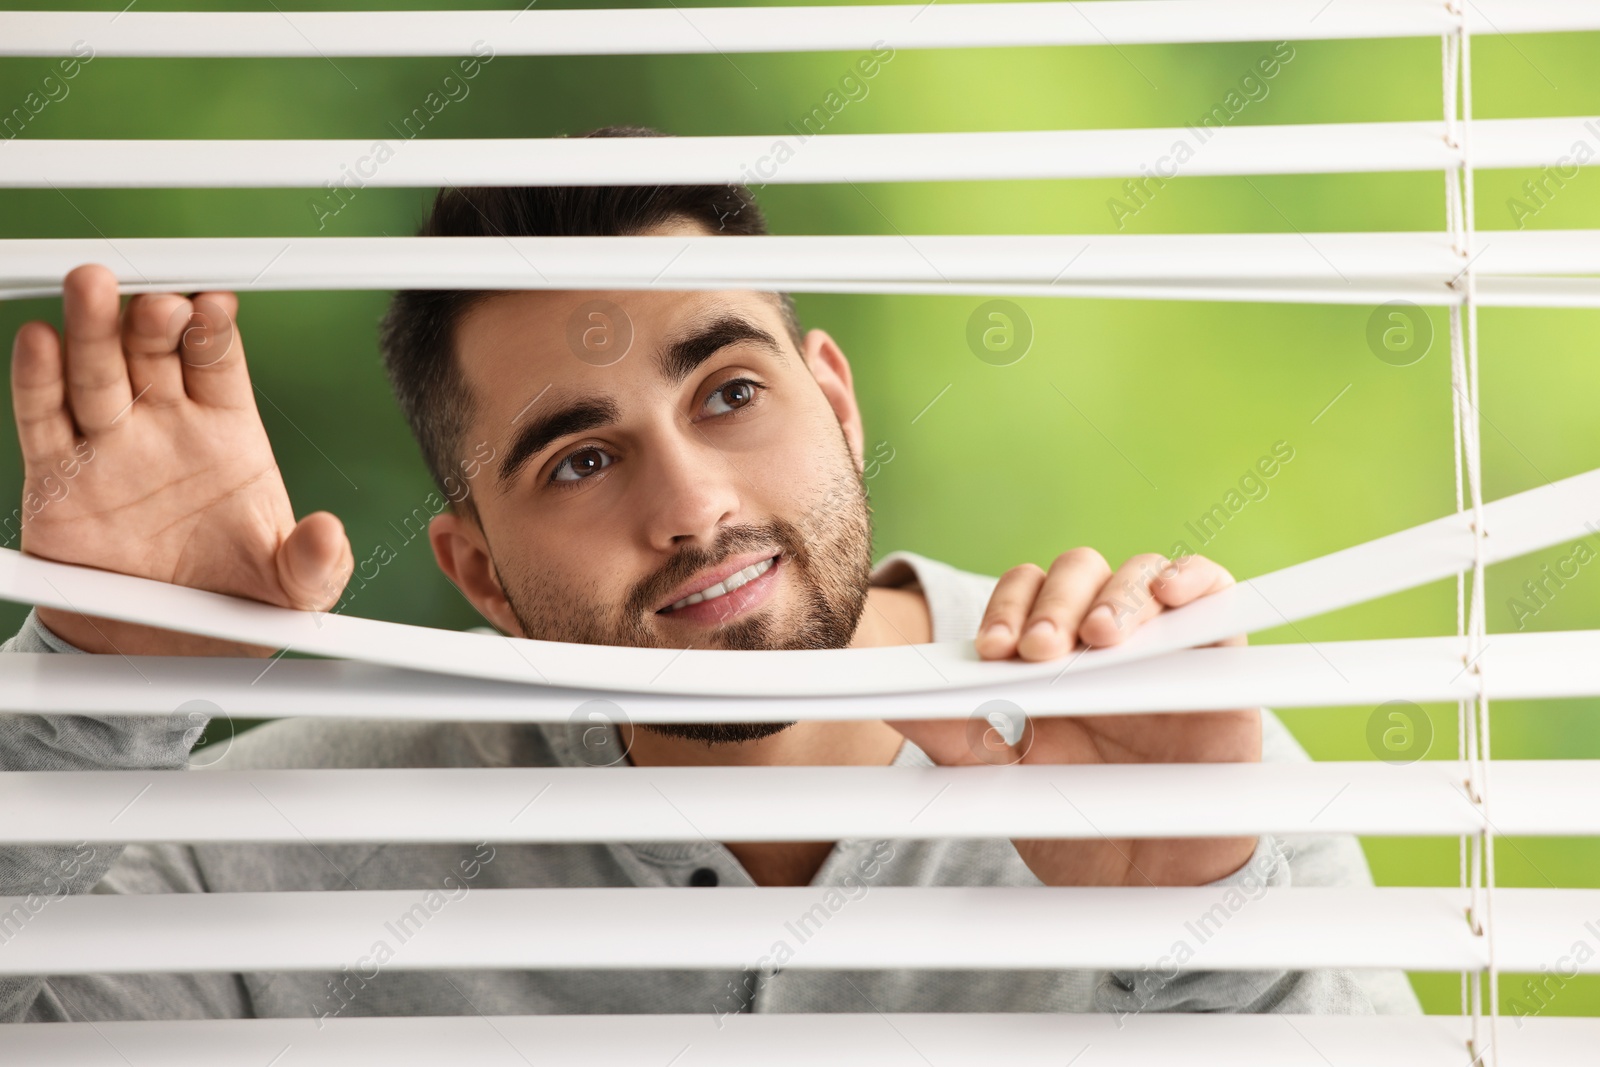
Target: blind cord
{"type": "Point", "coordinates": [1471, 620]}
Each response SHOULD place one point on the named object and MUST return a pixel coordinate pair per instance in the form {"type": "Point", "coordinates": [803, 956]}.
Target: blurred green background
{"type": "Point", "coordinates": [1124, 421]}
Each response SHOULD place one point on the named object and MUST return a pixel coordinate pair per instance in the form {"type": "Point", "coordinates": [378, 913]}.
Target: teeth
{"type": "Point", "coordinates": [727, 585]}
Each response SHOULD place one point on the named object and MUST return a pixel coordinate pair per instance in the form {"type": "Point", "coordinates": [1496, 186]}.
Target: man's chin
{"type": "Point", "coordinates": [717, 733]}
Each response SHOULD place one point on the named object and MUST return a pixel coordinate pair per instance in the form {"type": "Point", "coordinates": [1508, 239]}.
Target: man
{"type": "Point", "coordinates": [636, 468]}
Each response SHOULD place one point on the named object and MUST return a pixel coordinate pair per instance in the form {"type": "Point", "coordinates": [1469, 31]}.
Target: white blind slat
{"type": "Point", "coordinates": [771, 29]}
{"type": "Point", "coordinates": [1336, 261]}
{"type": "Point", "coordinates": [884, 928]}
{"type": "Point", "coordinates": [857, 1039]}
{"type": "Point", "coordinates": [1519, 524]}
{"type": "Point", "coordinates": [878, 157]}
{"type": "Point", "coordinates": [433, 805]}
{"type": "Point", "coordinates": [1324, 674]}
{"type": "Point", "coordinates": [1492, 290]}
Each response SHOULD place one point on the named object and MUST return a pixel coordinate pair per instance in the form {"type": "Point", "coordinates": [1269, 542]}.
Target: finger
{"type": "Point", "coordinates": [229, 302]}
{"type": "Point", "coordinates": [1125, 602]}
{"type": "Point", "coordinates": [151, 326]}
{"type": "Point", "coordinates": [212, 353]}
{"type": "Point", "coordinates": [97, 371]}
{"type": "Point", "coordinates": [1189, 578]}
{"type": "Point", "coordinates": [942, 740]}
{"type": "Point", "coordinates": [39, 394]}
{"type": "Point", "coordinates": [1069, 589]}
{"type": "Point", "coordinates": [1008, 606]}
{"type": "Point", "coordinates": [314, 562]}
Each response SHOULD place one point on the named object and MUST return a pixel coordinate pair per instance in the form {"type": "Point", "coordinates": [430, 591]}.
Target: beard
{"type": "Point", "coordinates": [827, 551]}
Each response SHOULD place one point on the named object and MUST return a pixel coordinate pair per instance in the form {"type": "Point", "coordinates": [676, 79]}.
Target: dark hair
{"type": "Point", "coordinates": [417, 337]}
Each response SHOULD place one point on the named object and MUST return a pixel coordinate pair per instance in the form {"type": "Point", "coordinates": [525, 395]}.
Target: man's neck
{"type": "Point", "coordinates": [892, 617]}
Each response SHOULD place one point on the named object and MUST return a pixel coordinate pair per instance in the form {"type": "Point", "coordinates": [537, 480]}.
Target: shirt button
{"type": "Point", "coordinates": [703, 876]}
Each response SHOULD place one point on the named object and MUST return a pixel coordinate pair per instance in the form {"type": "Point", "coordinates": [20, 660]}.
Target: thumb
{"type": "Point", "coordinates": [314, 562]}
{"type": "Point", "coordinates": [944, 740]}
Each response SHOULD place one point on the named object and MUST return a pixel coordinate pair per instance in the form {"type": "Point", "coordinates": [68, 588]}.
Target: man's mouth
{"type": "Point", "coordinates": [724, 589]}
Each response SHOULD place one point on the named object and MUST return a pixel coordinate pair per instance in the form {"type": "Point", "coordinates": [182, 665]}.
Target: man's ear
{"type": "Point", "coordinates": [832, 371]}
{"type": "Point", "coordinates": [463, 555]}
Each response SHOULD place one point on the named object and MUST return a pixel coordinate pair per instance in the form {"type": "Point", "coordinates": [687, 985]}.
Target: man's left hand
{"type": "Point", "coordinates": [1079, 602]}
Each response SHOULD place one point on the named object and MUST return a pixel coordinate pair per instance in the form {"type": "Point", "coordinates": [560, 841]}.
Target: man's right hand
{"type": "Point", "coordinates": [143, 440]}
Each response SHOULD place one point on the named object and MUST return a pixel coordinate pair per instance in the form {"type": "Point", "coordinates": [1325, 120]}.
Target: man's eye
{"type": "Point", "coordinates": [581, 464]}
{"type": "Point", "coordinates": [735, 394]}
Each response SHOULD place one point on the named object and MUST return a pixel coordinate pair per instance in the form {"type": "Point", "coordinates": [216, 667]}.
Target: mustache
{"type": "Point", "coordinates": [691, 561]}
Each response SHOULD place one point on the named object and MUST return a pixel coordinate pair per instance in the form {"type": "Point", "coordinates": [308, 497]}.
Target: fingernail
{"type": "Point", "coordinates": [1101, 613]}
{"type": "Point", "coordinates": [997, 629]}
{"type": "Point", "coordinates": [1042, 628]}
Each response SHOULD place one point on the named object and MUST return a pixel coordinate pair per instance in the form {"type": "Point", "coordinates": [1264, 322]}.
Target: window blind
{"type": "Point", "coordinates": [384, 670]}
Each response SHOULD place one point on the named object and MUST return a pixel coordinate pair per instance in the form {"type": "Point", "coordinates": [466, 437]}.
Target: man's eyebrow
{"type": "Point", "coordinates": [536, 436]}
{"type": "Point", "coordinates": [678, 359]}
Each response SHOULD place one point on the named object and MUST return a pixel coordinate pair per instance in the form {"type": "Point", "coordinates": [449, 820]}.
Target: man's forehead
{"type": "Point", "coordinates": [564, 332]}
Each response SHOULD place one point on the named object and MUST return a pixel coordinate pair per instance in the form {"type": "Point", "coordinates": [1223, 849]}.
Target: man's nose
{"type": "Point", "coordinates": [692, 492]}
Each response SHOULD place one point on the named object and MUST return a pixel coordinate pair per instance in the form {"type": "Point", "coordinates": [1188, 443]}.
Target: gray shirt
{"type": "Point", "coordinates": [956, 600]}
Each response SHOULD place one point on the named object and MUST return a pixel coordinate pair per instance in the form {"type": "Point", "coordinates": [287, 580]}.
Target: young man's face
{"type": "Point", "coordinates": [622, 480]}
